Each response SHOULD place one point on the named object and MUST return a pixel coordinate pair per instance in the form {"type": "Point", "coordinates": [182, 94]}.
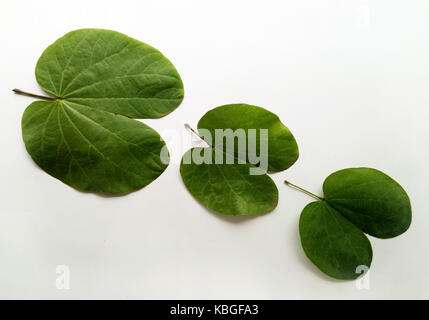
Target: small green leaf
{"type": "Point", "coordinates": [370, 199]}
{"type": "Point", "coordinates": [83, 136]}
{"type": "Point", "coordinates": [356, 200]}
{"type": "Point", "coordinates": [333, 243]}
{"type": "Point", "coordinates": [110, 71]}
{"type": "Point", "coordinates": [282, 147]}
{"type": "Point", "coordinates": [90, 149]}
{"type": "Point", "coordinates": [228, 188]}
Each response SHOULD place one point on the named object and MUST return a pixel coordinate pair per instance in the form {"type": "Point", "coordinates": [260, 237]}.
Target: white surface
{"type": "Point", "coordinates": [349, 78]}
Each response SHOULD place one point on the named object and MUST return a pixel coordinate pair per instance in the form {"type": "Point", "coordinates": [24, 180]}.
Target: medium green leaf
{"type": "Point", "coordinates": [228, 188]}
{"type": "Point", "coordinates": [91, 149]}
{"type": "Point", "coordinates": [370, 199]}
{"type": "Point", "coordinates": [333, 243]}
{"type": "Point", "coordinates": [110, 71]}
{"type": "Point", "coordinates": [282, 147]}
{"type": "Point", "coordinates": [239, 184]}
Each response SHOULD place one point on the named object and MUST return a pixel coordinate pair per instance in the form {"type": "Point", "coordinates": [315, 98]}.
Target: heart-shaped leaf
{"type": "Point", "coordinates": [370, 199]}
{"type": "Point", "coordinates": [356, 201]}
{"type": "Point", "coordinates": [333, 243]}
{"type": "Point", "coordinates": [83, 136]}
{"type": "Point", "coordinates": [238, 184]}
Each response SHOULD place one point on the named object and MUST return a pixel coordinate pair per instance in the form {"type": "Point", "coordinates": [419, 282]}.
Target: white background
{"type": "Point", "coordinates": [350, 80]}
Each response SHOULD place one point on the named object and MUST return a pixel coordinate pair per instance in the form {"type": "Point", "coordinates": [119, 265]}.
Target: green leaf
{"type": "Point", "coordinates": [228, 188]}
{"type": "Point", "coordinates": [356, 200]}
{"type": "Point", "coordinates": [370, 199]}
{"type": "Point", "coordinates": [110, 71]}
{"type": "Point", "coordinates": [333, 243]}
{"type": "Point", "coordinates": [282, 147]}
{"type": "Point", "coordinates": [239, 184]}
{"type": "Point", "coordinates": [84, 136]}
{"type": "Point", "coordinates": [90, 149]}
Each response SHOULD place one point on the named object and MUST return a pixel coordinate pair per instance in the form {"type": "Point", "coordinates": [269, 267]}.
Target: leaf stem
{"type": "Point", "coordinates": [187, 126]}
{"type": "Point", "coordinates": [303, 190]}
{"type": "Point", "coordinates": [18, 91]}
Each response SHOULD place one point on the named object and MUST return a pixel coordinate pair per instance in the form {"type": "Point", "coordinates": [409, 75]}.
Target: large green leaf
{"type": "Point", "coordinates": [90, 149]}
{"type": "Point", "coordinates": [84, 136]}
{"type": "Point", "coordinates": [110, 71]}
{"type": "Point", "coordinates": [239, 184]}
{"type": "Point", "coordinates": [370, 199]}
{"type": "Point", "coordinates": [282, 147]}
{"type": "Point", "coordinates": [228, 188]}
{"type": "Point", "coordinates": [333, 243]}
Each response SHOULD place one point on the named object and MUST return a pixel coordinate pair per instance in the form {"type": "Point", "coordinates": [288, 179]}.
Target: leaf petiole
{"type": "Point", "coordinates": [18, 91]}
{"type": "Point", "coordinates": [187, 126]}
{"type": "Point", "coordinates": [303, 190]}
